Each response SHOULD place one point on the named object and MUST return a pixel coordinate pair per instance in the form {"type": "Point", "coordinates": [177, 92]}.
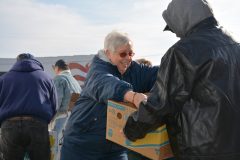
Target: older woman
{"type": "Point", "coordinates": [113, 75]}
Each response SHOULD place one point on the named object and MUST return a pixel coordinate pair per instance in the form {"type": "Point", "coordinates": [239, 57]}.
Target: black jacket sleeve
{"type": "Point", "coordinates": [173, 86]}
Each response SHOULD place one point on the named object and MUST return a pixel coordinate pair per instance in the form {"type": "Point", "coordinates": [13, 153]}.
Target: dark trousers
{"type": "Point", "coordinates": [136, 156]}
{"type": "Point", "coordinates": [24, 136]}
{"type": "Point", "coordinates": [90, 147]}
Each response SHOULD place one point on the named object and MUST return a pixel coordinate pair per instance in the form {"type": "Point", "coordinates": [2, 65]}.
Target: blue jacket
{"type": "Point", "coordinates": [65, 84]}
{"type": "Point", "coordinates": [103, 82]}
{"type": "Point", "coordinates": [27, 90]}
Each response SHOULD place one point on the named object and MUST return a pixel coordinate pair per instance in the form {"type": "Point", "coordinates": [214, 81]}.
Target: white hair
{"type": "Point", "coordinates": [114, 40]}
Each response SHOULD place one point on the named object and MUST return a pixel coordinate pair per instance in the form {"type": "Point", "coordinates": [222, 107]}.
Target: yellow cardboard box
{"type": "Point", "coordinates": [154, 146]}
{"type": "Point", "coordinates": [53, 144]}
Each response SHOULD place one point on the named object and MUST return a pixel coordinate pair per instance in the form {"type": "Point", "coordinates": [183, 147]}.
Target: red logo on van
{"type": "Point", "coordinates": [81, 76]}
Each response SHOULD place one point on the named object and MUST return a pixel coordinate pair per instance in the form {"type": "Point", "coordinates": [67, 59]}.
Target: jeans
{"type": "Point", "coordinates": [136, 156]}
{"type": "Point", "coordinates": [59, 127]}
{"type": "Point", "coordinates": [19, 137]}
{"type": "Point", "coordinates": [91, 148]}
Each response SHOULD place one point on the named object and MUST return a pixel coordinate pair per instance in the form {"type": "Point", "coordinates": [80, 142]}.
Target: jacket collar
{"type": "Point", "coordinates": [207, 23]}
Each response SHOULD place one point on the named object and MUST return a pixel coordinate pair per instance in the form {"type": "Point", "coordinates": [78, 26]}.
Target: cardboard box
{"type": "Point", "coordinates": [73, 99]}
{"type": "Point", "coordinates": [154, 146]}
{"type": "Point", "coordinates": [53, 144]}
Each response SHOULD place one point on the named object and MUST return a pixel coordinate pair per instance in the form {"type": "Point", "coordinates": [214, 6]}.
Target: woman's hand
{"type": "Point", "coordinates": [135, 97]}
{"type": "Point", "coordinates": [138, 98]}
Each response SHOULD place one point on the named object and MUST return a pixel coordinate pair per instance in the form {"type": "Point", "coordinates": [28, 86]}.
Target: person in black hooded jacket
{"type": "Point", "coordinates": [197, 89]}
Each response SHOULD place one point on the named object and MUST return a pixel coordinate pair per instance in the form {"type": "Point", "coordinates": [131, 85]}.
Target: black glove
{"type": "Point", "coordinates": [133, 130]}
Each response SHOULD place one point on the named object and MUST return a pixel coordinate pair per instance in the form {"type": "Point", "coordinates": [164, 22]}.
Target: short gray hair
{"type": "Point", "coordinates": [114, 40]}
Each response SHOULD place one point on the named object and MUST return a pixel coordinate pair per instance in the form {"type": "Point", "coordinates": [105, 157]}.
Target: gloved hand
{"type": "Point", "coordinates": [133, 131]}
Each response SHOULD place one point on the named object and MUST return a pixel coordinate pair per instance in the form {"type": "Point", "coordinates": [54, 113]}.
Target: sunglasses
{"type": "Point", "coordinates": [124, 54]}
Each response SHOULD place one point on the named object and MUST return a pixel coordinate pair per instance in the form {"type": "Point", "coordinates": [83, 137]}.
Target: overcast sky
{"type": "Point", "coordinates": [78, 27]}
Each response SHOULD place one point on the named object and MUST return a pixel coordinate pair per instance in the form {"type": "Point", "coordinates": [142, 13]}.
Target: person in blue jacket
{"type": "Point", "coordinates": [112, 75]}
{"type": "Point", "coordinates": [65, 85]}
{"type": "Point", "coordinates": [27, 104]}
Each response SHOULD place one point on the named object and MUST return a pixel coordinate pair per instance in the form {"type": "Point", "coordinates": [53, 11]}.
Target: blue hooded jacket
{"type": "Point", "coordinates": [27, 90]}
{"type": "Point", "coordinates": [87, 123]}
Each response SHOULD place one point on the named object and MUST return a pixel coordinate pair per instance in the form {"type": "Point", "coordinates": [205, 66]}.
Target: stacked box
{"type": "Point", "coordinates": [53, 144]}
{"type": "Point", "coordinates": [155, 145]}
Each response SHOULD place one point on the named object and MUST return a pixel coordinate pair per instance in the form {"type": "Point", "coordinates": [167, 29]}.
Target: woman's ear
{"type": "Point", "coordinates": [108, 53]}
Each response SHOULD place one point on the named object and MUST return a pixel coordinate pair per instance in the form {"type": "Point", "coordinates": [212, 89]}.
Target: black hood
{"type": "Point", "coordinates": [182, 15]}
